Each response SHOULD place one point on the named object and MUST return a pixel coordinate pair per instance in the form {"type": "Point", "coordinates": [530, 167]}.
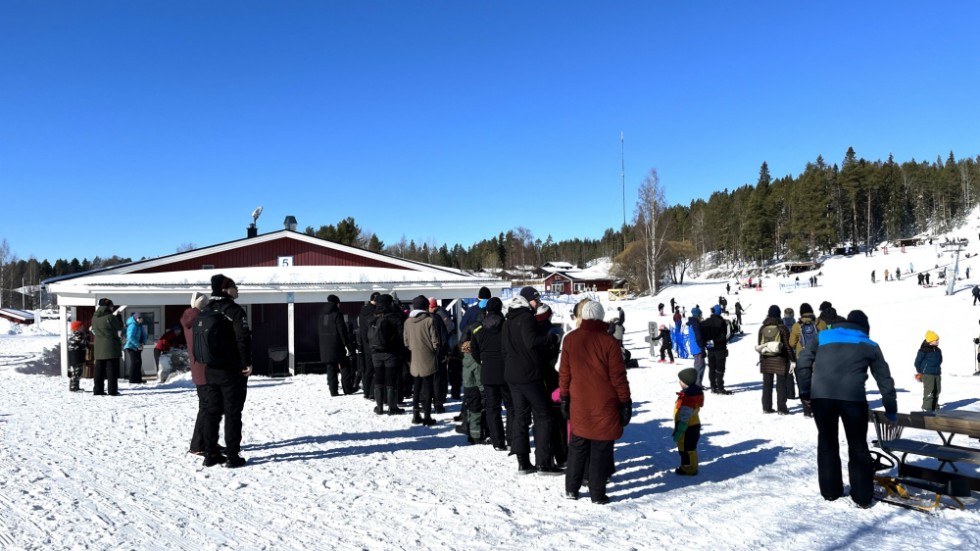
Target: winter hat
{"type": "Point", "coordinates": [199, 300]}
{"type": "Point", "coordinates": [688, 376]}
{"type": "Point", "coordinates": [931, 336]}
{"type": "Point", "coordinates": [696, 312]}
{"type": "Point", "coordinates": [106, 302]}
{"type": "Point", "coordinates": [219, 283]}
{"type": "Point", "coordinates": [543, 313]}
{"type": "Point", "coordinates": [663, 327]}
{"type": "Point", "coordinates": [76, 325]}
{"type": "Point", "coordinates": [484, 293]}
{"type": "Point", "coordinates": [137, 315]}
{"type": "Point", "coordinates": [773, 311]}
{"type": "Point", "coordinates": [433, 303]}
{"type": "Point", "coordinates": [805, 308]}
{"type": "Point", "coordinates": [824, 305]}
{"type": "Point", "coordinates": [383, 302]}
{"type": "Point", "coordinates": [788, 312]}
{"type": "Point", "coordinates": [374, 296]}
{"type": "Point", "coordinates": [333, 298]}
{"type": "Point", "coordinates": [592, 310]}
{"type": "Point", "coordinates": [495, 306]}
{"type": "Point", "coordinates": [530, 293]}
{"type": "Point", "coordinates": [858, 318]}
{"type": "Point", "coordinates": [716, 310]}
{"type": "Point", "coordinates": [420, 303]}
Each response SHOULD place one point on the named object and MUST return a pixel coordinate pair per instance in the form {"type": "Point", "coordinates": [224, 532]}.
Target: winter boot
{"type": "Point", "coordinates": [427, 419]}
{"type": "Point", "coordinates": [332, 379]}
{"type": "Point", "coordinates": [524, 465]}
{"type": "Point", "coordinates": [393, 408]}
{"type": "Point", "coordinates": [416, 417]}
{"type": "Point", "coordinates": [214, 459]}
{"type": "Point", "coordinates": [234, 461]}
{"type": "Point", "coordinates": [379, 399]}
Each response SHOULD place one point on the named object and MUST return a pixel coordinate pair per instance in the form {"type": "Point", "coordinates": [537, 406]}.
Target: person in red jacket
{"type": "Point", "coordinates": [595, 398]}
{"type": "Point", "coordinates": [198, 302]}
{"type": "Point", "coordinates": [164, 344]}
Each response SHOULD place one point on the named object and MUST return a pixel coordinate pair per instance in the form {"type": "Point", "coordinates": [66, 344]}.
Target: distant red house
{"type": "Point", "coordinates": [568, 283]}
{"type": "Point", "coordinates": [17, 316]}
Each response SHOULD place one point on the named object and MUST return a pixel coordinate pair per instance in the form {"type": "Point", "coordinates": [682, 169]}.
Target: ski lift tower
{"type": "Point", "coordinates": [954, 248]}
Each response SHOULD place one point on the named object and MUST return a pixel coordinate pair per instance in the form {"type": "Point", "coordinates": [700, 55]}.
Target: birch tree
{"type": "Point", "coordinates": [649, 223]}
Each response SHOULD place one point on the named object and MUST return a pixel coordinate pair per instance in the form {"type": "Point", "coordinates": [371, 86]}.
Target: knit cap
{"type": "Point", "coordinates": [931, 336]}
{"type": "Point", "coordinates": [592, 310]}
{"type": "Point", "coordinates": [688, 376]}
{"type": "Point", "coordinates": [773, 311]}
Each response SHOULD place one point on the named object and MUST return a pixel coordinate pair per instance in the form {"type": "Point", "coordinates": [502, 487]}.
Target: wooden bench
{"type": "Point", "coordinates": [951, 483]}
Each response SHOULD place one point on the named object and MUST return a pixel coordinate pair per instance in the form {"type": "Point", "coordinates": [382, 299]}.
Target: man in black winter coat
{"type": "Point", "coordinates": [525, 349]}
{"type": "Point", "coordinates": [487, 349]}
{"type": "Point", "coordinates": [389, 357]}
{"type": "Point", "coordinates": [714, 330]}
{"type": "Point", "coordinates": [364, 358]}
{"type": "Point", "coordinates": [227, 383]}
{"type": "Point", "coordinates": [335, 344]}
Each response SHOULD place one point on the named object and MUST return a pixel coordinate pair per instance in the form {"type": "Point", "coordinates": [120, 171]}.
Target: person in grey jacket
{"type": "Point", "coordinates": [837, 394]}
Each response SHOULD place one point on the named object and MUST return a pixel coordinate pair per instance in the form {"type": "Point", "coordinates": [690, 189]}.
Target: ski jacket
{"type": "Point", "coordinates": [77, 346]}
{"type": "Point", "coordinates": [524, 347]}
{"type": "Point", "coordinates": [422, 339]}
{"type": "Point", "coordinates": [335, 341]}
{"type": "Point", "coordinates": [688, 406]}
{"type": "Point", "coordinates": [363, 319]}
{"type": "Point", "coordinates": [593, 377]}
{"type": "Point", "coordinates": [105, 329]}
{"type": "Point", "coordinates": [664, 334]}
{"type": "Point", "coordinates": [166, 341]}
{"type": "Point", "coordinates": [929, 360]}
{"type": "Point", "coordinates": [777, 365]}
{"type": "Point", "coordinates": [197, 368]}
{"type": "Point", "coordinates": [715, 331]}
{"type": "Point", "coordinates": [835, 366]}
{"type": "Point", "coordinates": [486, 348]}
{"type": "Point", "coordinates": [472, 318]}
{"type": "Point", "coordinates": [135, 334]}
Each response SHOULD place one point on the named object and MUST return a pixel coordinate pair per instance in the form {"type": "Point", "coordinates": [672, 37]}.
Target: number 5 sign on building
{"type": "Point", "coordinates": [285, 261]}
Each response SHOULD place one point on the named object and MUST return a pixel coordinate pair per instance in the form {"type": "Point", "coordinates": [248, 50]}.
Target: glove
{"type": "Point", "coordinates": [918, 377]}
{"type": "Point", "coordinates": [679, 432]}
{"type": "Point", "coordinates": [625, 413]}
{"type": "Point", "coordinates": [891, 417]}
{"type": "Point", "coordinates": [566, 405]}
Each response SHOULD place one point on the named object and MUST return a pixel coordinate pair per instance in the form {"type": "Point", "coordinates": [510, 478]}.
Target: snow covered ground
{"type": "Point", "coordinates": [85, 472]}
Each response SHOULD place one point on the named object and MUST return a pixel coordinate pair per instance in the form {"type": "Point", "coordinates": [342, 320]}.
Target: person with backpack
{"type": "Point", "coordinates": [802, 334]}
{"type": "Point", "coordinates": [198, 302]}
{"type": "Point", "coordinates": [716, 332]}
{"type": "Point", "coordinates": [385, 341]}
{"type": "Point", "coordinates": [335, 344]}
{"type": "Point", "coordinates": [223, 343]}
{"type": "Point", "coordinates": [836, 390]}
{"type": "Point", "coordinates": [422, 340]}
{"type": "Point", "coordinates": [774, 359]}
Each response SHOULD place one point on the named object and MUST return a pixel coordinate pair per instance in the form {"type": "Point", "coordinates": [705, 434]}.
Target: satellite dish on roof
{"type": "Point", "coordinates": [255, 215]}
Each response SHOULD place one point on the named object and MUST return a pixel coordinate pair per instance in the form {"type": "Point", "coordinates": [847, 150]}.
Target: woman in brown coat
{"type": "Point", "coordinates": [422, 339]}
{"type": "Point", "coordinates": [595, 398]}
{"type": "Point", "coordinates": [773, 360]}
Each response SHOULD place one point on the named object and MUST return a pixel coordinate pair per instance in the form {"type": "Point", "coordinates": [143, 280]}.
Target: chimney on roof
{"type": "Point", "coordinates": [251, 231]}
{"type": "Point", "coordinates": [289, 223]}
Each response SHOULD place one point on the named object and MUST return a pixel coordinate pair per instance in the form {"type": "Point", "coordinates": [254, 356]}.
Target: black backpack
{"type": "Point", "coordinates": [380, 333]}
{"type": "Point", "coordinates": [214, 339]}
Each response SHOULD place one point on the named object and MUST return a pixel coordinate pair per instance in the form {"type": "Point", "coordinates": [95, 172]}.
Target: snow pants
{"type": "Point", "coordinates": [589, 457]}
{"type": "Point", "coordinates": [930, 392]}
{"type": "Point", "coordinates": [531, 402]}
{"type": "Point", "coordinates": [106, 369]}
{"type": "Point", "coordinates": [699, 365]}
{"type": "Point", "coordinates": [225, 395]}
{"type": "Point", "coordinates": [828, 415]}
{"type": "Point", "coordinates": [716, 368]}
{"type": "Point", "coordinates": [134, 365]}
{"type": "Point", "coordinates": [767, 380]}
{"type": "Point", "coordinates": [495, 395]}
{"type": "Point", "coordinates": [197, 438]}
{"type": "Point", "coordinates": [687, 447]}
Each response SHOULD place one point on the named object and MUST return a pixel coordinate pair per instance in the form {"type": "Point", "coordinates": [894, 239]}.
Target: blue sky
{"type": "Point", "coordinates": [131, 128]}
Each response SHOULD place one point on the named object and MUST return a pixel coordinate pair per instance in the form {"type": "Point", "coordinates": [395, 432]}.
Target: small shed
{"type": "Point", "coordinates": [17, 316]}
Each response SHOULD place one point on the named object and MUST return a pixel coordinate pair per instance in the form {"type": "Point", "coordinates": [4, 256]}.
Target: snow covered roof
{"type": "Point", "coordinates": [557, 266]}
{"type": "Point", "coordinates": [17, 316]}
{"type": "Point", "coordinates": [130, 284]}
{"type": "Point", "coordinates": [598, 270]}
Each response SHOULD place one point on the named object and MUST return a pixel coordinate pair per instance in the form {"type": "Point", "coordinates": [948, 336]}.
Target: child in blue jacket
{"type": "Point", "coordinates": [929, 371]}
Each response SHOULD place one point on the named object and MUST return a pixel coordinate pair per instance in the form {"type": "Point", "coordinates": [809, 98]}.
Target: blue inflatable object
{"type": "Point", "coordinates": [680, 343]}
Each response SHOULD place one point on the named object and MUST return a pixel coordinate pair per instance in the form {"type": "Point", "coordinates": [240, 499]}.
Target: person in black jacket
{"type": "Point", "coordinates": [335, 343]}
{"type": "Point", "coordinates": [364, 358]}
{"type": "Point", "coordinates": [487, 350]}
{"type": "Point", "coordinates": [227, 384]}
{"type": "Point", "coordinates": [714, 330]}
{"type": "Point", "coordinates": [837, 395]}
{"type": "Point", "coordinates": [387, 357]}
{"type": "Point", "coordinates": [524, 349]}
